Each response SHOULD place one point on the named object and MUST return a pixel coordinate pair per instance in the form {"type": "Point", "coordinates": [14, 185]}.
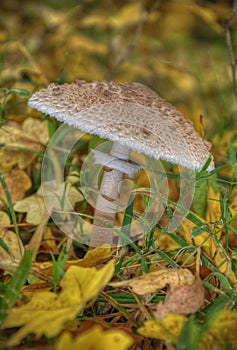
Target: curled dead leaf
{"type": "Point", "coordinates": [150, 282]}
{"type": "Point", "coordinates": [184, 300]}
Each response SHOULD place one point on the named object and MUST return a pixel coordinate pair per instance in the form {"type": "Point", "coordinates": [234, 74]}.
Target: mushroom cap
{"type": "Point", "coordinates": [129, 113]}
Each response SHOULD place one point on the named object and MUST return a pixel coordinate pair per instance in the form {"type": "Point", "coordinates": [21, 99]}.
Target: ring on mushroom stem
{"type": "Point", "coordinates": [134, 118]}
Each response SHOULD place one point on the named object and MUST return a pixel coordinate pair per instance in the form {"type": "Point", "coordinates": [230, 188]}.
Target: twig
{"type": "Point", "coordinates": [229, 44]}
{"type": "Point", "coordinates": [131, 45]}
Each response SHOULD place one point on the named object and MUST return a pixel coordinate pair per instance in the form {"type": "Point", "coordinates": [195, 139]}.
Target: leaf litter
{"type": "Point", "coordinates": [23, 140]}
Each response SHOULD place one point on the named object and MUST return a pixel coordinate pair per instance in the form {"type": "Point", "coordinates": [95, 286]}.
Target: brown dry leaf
{"type": "Point", "coordinates": [39, 286]}
{"type": "Point", "coordinates": [7, 160]}
{"type": "Point", "coordinates": [150, 282]}
{"type": "Point", "coordinates": [18, 182]}
{"type": "Point", "coordinates": [23, 141]}
{"type": "Point", "coordinates": [184, 301]}
{"type": "Point", "coordinates": [12, 241]}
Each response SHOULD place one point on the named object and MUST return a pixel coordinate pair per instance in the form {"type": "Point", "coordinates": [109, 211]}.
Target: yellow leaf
{"type": "Point", "coordinates": [207, 15]}
{"type": "Point", "coordinates": [152, 281]}
{"type": "Point", "coordinates": [36, 130]}
{"type": "Point", "coordinates": [34, 207]}
{"type": "Point", "coordinates": [168, 328]}
{"type": "Point", "coordinates": [52, 192]}
{"type": "Point", "coordinates": [222, 333]}
{"type": "Point", "coordinates": [128, 15]}
{"type": "Point", "coordinates": [92, 258]}
{"type": "Point", "coordinates": [96, 339]}
{"type": "Point", "coordinates": [47, 313]}
{"type": "Point", "coordinates": [86, 282]}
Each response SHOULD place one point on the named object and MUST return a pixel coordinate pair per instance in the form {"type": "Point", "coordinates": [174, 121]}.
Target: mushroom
{"type": "Point", "coordinates": [135, 118]}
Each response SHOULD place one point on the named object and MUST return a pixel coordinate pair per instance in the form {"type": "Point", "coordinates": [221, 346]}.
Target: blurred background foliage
{"type": "Point", "coordinates": [177, 48]}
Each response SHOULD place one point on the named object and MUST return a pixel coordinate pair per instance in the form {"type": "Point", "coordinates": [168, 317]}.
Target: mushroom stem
{"type": "Point", "coordinates": [106, 204]}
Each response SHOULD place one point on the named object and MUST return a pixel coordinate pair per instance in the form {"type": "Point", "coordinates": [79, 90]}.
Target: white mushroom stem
{"type": "Point", "coordinates": [106, 205]}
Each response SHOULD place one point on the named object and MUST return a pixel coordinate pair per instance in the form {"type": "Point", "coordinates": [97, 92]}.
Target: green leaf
{"type": "Point", "coordinates": [20, 92]}
{"type": "Point", "coordinates": [4, 245]}
{"type": "Point", "coordinates": [224, 281]}
{"type": "Point", "coordinates": [217, 305]}
{"type": "Point", "coordinates": [127, 219]}
{"type": "Point", "coordinates": [177, 239]}
{"type": "Point", "coordinates": [189, 337]}
{"type": "Point", "coordinates": [17, 282]}
{"type": "Point", "coordinates": [200, 199]}
{"type": "Point", "coordinates": [58, 267]}
{"type": "Point", "coordinates": [234, 266]}
{"type": "Point", "coordinates": [166, 257]}
{"type": "Point", "coordinates": [9, 201]}
{"type": "Point", "coordinates": [232, 155]}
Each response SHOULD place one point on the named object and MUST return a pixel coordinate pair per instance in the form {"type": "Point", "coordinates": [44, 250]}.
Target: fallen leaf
{"type": "Point", "coordinates": [92, 258]}
{"type": "Point", "coordinates": [15, 247]}
{"type": "Point", "coordinates": [18, 182]}
{"type": "Point", "coordinates": [221, 334]}
{"type": "Point", "coordinates": [47, 312]}
{"type": "Point", "coordinates": [36, 129]}
{"type": "Point", "coordinates": [184, 300]}
{"type": "Point", "coordinates": [4, 219]}
{"type": "Point", "coordinates": [12, 241]}
{"type": "Point", "coordinates": [51, 192]}
{"type": "Point", "coordinates": [34, 208]}
{"type": "Point", "coordinates": [21, 142]}
{"type": "Point", "coordinates": [168, 328]}
{"type": "Point", "coordinates": [150, 282]}
{"type": "Point", "coordinates": [96, 339]}
{"type": "Point", "coordinates": [7, 160]}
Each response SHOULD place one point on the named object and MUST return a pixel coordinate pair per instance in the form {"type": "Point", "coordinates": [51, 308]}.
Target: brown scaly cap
{"type": "Point", "coordinates": [129, 113]}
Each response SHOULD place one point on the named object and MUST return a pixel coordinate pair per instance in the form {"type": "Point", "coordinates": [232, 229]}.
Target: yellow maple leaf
{"type": "Point", "coordinates": [47, 312]}
{"type": "Point", "coordinates": [93, 257]}
{"type": "Point", "coordinates": [222, 332]}
{"type": "Point", "coordinates": [96, 339]}
{"type": "Point", "coordinates": [220, 335]}
{"type": "Point", "coordinates": [167, 328]}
